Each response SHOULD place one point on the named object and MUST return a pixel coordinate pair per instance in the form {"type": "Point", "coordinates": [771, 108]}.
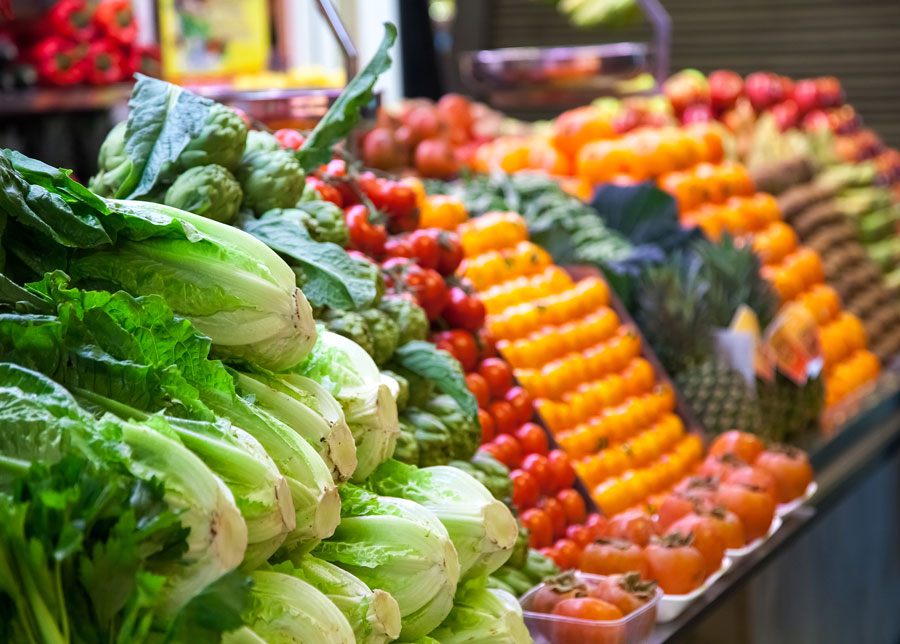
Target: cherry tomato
{"type": "Point", "coordinates": [573, 504]}
{"type": "Point", "coordinates": [533, 439]}
{"type": "Point", "coordinates": [479, 388]}
{"type": "Point", "coordinates": [425, 248]}
{"type": "Point", "coordinates": [337, 171]}
{"type": "Point", "coordinates": [289, 138]}
{"type": "Point", "coordinates": [677, 566]}
{"type": "Point", "coordinates": [492, 449]}
{"type": "Point", "coordinates": [612, 556]}
{"type": "Point", "coordinates": [745, 446]}
{"type": "Point", "coordinates": [562, 474]}
{"type": "Point", "coordinates": [504, 416]}
{"type": "Point", "coordinates": [789, 468]}
{"type": "Point", "coordinates": [365, 236]}
{"type": "Point", "coordinates": [326, 191]}
{"type": "Point", "coordinates": [627, 592]}
{"type": "Point", "coordinates": [397, 247]}
{"type": "Point", "coordinates": [450, 252]}
{"type": "Point", "coordinates": [459, 344]}
{"type": "Point", "coordinates": [557, 514]}
{"type": "Point", "coordinates": [754, 508]}
{"type": "Point", "coordinates": [707, 538]}
{"type": "Point", "coordinates": [464, 311]}
{"type": "Point", "coordinates": [434, 158]}
{"type": "Point", "coordinates": [591, 610]}
{"type": "Point", "coordinates": [498, 375]}
{"type": "Point", "coordinates": [580, 534]}
{"type": "Point", "coordinates": [511, 451]}
{"type": "Point", "coordinates": [429, 288]}
{"type": "Point", "coordinates": [632, 525]}
{"type": "Point", "coordinates": [488, 431]}
{"type": "Point", "coordinates": [537, 465]}
{"type": "Point", "coordinates": [525, 489]}
{"type": "Point", "coordinates": [398, 201]}
{"type": "Point", "coordinates": [597, 524]}
{"type": "Point", "coordinates": [540, 528]}
{"type": "Point", "coordinates": [487, 348]}
{"type": "Point", "coordinates": [521, 402]}
{"type": "Point", "coordinates": [567, 553]}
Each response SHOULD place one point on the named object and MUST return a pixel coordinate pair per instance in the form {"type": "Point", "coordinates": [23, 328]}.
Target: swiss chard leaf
{"type": "Point", "coordinates": [427, 361]}
{"type": "Point", "coordinates": [344, 114]}
{"type": "Point", "coordinates": [163, 119]}
{"type": "Point", "coordinates": [333, 278]}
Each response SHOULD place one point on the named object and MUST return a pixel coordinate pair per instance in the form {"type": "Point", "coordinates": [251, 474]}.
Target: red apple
{"type": "Point", "coordinates": [805, 95]}
{"type": "Point", "coordinates": [816, 120]}
{"type": "Point", "coordinates": [724, 88]}
{"type": "Point", "coordinates": [786, 114]}
{"type": "Point", "coordinates": [831, 94]}
{"type": "Point", "coordinates": [697, 114]}
{"type": "Point", "coordinates": [763, 89]}
{"type": "Point", "coordinates": [687, 87]}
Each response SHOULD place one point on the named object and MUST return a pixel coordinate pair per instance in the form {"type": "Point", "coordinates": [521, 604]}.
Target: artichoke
{"type": "Point", "coordinates": [207, 190]}
{"type": "Point", "coordinates": [270, 180]}
{"type": "Point", "coordinates": [114, 165]}
{"type": "Point", "coordinates": [384, 333]}
{"type": "Point", "coordinates": [221, 141]}
{"type": "Point", "coordinates": [409, 317]}
{"type": "Point", "coordinates": [352, 325]}
{"type": "Point", "coordinates": [259, 140]}
{"type": "Point", "coordinates": [322, 219]}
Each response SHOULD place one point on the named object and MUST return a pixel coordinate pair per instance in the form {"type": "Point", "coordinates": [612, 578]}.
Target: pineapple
{"type": "Point", "coordinates": [720, 397]}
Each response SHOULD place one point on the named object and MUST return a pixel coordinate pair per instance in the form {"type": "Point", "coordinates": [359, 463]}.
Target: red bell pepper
{"type": "Point", "coordinates": [116, 19]}
{"type": "Point", "coordinates": [143, 59]}
{"type": "Point", "coordinates": [72, 19]}
{"type": "Point", "coordinates": [106, 64]}
{"type": "Point", "coordinates": [59, 61]}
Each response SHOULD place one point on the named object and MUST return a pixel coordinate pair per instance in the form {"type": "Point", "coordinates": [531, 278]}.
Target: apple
{"type": "Point", "coordinates": [763, 89]}
{"type": "Point", "coordinates": [806, 95]}
{"type": "Point", "coordinates": [816, 121]}
{"type": "Point", "coordinates": [843, 120]}
{"type": "Point", "coordinates": [626, 119]}
{"type": "Point", "coordinates": [697, 114]}
{"type": "Point", "coordinates": [725, 86]}
{"type": "Point", "coordinates": [687, 87]}
{"type": "Point", "coordinates": [786, 114]}
{"type": "Point", "coordinates": [830, 92]}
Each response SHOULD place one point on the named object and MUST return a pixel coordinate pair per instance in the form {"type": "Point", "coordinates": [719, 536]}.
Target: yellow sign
{"type": "Point", "coordinates": [212, 39]}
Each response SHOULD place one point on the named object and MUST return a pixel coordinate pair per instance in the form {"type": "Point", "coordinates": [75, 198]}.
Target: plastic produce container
{"type": "Point", "coordinates": [634, 628]}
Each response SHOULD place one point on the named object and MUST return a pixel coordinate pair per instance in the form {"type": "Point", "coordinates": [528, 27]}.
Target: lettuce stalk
{"type": "Point", "coordinates": [483, 530]}
{"type": "Point", "coordinates": [400, 547]}
{"type": "Point", "coordinates": [308, 409]}
{"type": "Point", "coordinates": [483, 616]}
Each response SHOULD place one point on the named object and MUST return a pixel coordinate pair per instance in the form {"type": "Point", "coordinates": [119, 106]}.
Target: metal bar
{"type": "Point", "coordinates": [351, 55]}
{"type": "Point", "coordinates": [661, 23]}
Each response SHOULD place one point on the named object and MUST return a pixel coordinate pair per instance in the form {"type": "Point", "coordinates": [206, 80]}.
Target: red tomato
{"type": "Point", "coordinates": [379, 149]}
{"type": "Point", "coordinates": [632, 525]}
{"type": "Point", "coordinates": [486, 346]}
{"type": "Point", "coordinates": [364, 235]}
{"type": "Point", "coordinates": [326, 191]}
{"type": "Point", "coordinates": [456, 111]}
{"type": "Point", "coordinates": [521, 402]}
{"type": "Point", "coordinates": [425, 248]}
{"type": "Point", "coordinates": [289, 138]}
{"type": "Point", "coordinates": [597, 524]}
{"type": "Point", "coordinates": [488, 431]}
{"type": "Point", "coordinates": [504, 416]}
{"type": "Point", "coordinates": [540, 528]}
{"type": "Point", "coordinates": [525, 489]}
{"type": "Point", "coordinates": [450, 252]}
{"type": "Point", "coordinates": [459, 344]}
{"type": "Point", "coordinates": [429, 288]}
{"type": "Point", "coordinates": [573, 505]}
{"type": "Point", "coordinates": [612, 556]}
{"type": "Point", "coordinates": [464, 311]}
{"type": "Point", "coordinates": [498, 374]}
{"type": "Point", "coordinates": [557, 514]}
{"type": "Point", "coordinates": [479, 388]}
{"type": "Point", "coordinates": [677, 566]}
{"type": "Point", "coordinates": [745, 446]}
{"type": "Point", "coordinates": [510, 449]}
{"type": "Point", "coordinates": [434, 158]}
{"type": "Point", "coordinates": [532, 438]}
{"type": "Point", "coordinates": [399, 202]}
{"type": "Point", "coordinates": [562, 474]}
{"type": "Point", "coordinates": [591, 610]}
{"type": "Point", "coordinates": [580, 534]}
{"type": "Point", "coordinates": [539, 468]}
{"type": "Point", "coordinates": [790, 470]}
{"type": "Point", "coordinates": [567, 552]}
{"type": "Point", "coordinates": [707, 538]}
{"type": "Point", "coordinates": [397, 247]}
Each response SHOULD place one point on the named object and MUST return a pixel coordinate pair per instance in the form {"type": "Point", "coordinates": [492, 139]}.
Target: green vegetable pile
{"type": "Point", "coordinates": [186, 455]}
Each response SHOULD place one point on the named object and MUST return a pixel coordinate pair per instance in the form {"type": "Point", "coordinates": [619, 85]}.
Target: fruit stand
{"type": "Point", "coordinates": [319, 369]}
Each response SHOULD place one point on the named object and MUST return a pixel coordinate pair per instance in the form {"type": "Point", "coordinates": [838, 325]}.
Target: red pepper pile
{"type": "Point", "coordinates": [89, 41]}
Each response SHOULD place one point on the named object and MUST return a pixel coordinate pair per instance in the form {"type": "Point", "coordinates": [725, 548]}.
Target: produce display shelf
{"type": "Point", "coordinates": [42, 100]}
{"type": "Point", "coordinates": [841, 461]}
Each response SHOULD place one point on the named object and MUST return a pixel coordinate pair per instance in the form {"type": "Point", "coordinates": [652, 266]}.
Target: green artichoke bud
{"type": "Point", "coordinates": [409, 316]}
{"type": "Point", "coordinates": [221, 141]}
{"type": "Point", "coordinates": [259, 140]}
{"type": "Point", "coordinates": [352, 325]}
{"type": "Point", "coordinates": [114, 166]}
{"type": "Point", "coordinates": [384, 332]}
{"type": "Point", "coordinates": [207, 190]}
{"type": "Point", "coordinates": [323, 220]}
{"type": "Point", "coordinates": [270, 180]}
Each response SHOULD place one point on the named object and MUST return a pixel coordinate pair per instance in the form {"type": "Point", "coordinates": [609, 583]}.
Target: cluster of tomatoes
{"type": "Point", "coordinates": [599, 600]}
{"type": "Point", "coordinates": [681, 537]}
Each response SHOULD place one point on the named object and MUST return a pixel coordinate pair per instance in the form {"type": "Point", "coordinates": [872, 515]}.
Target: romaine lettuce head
{"type": "Point", "coordinates": [369, 400]}
{"type": "Point", "coordinates": [482, 529]}
{"type": "Point", "coordinates": [287, 610]}
{"type": "Point", "coordinates": [373, 614]}
{"type": "Point", "coordinates": [397, 546]}
{"type": "Point", "coordinates": [483, 615]}
{"type": "Point", "coordinates": [234, 288]}
{"type": "Point", "coordinates": [308, 409]}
